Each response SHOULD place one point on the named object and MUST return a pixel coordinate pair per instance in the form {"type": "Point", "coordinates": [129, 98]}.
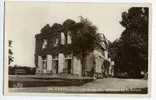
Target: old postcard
{"type": "Point", "coordinates": [77, 48]}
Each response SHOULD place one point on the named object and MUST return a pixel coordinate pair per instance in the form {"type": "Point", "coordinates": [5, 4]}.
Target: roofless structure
{"type": "Point", "coordinates": [54, 55]}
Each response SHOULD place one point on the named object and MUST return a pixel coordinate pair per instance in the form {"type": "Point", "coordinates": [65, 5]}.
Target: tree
{"type": "Point", "coordinates": [10, 56]}
{"type": "Point", "coordinates": [56, 28]}
{"type": "Point", "coordinates": [67, 24]}
{"type": "Point", "coordinates": [46, 29]}
{"type": "Point", "coordinates": [84, 39]}
{"type": "Point", "coordinates": [131, 54]}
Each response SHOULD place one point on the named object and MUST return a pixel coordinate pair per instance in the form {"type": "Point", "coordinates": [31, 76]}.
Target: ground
{"type": "Point", "coordinates": [106, 85]}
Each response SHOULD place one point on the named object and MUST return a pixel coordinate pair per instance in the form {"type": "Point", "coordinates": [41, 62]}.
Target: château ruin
{"type": "Point", "coordinates": [53, 55]}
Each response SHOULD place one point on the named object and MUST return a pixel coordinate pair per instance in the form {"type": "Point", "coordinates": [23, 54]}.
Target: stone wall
{"type": "Point", "coordinates": [56, 61]}
{"type": "Point", "coordinates": [77, 67]}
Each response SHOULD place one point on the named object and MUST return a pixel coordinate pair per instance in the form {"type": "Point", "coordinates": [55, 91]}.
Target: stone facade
{"type": "Point", "coordinates": [53, 56]}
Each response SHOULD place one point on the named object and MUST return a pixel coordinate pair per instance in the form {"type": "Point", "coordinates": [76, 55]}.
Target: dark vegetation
{"type": "Point", "coordinates": [130, 51]}
{"type": "Point", "coordinates": [21, 70]}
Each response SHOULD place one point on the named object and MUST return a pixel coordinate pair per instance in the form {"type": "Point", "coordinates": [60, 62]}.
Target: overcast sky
{"type": "Point", "coordinates": [24, 20]}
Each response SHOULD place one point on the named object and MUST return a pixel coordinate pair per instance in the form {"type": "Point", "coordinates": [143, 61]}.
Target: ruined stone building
{"type": "Point", "coordinates": [53, 55]}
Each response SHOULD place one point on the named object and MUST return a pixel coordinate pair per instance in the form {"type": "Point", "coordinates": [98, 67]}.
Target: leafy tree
{"type": "Point", "coordinates": [84, 39]}
{"type": "Point", "coordinates": [67, 24]}
{"type": "Point", "coordinates": [46, 29]}
{"type": "Point", "coordinates": [132, 48]}
{"type": "Point", "coordinates": [56, 28]}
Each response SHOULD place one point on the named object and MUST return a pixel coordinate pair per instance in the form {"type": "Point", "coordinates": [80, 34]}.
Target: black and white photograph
{"type": "Point", "coordinates": [77, 48]}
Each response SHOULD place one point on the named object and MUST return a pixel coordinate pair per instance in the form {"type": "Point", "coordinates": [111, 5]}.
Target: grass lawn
{"type": "Point", "coordinates": [106, 85]}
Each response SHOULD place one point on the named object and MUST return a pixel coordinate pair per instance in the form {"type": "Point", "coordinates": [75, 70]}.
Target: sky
{"type": "Point", "coordinates": [24, 20]}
